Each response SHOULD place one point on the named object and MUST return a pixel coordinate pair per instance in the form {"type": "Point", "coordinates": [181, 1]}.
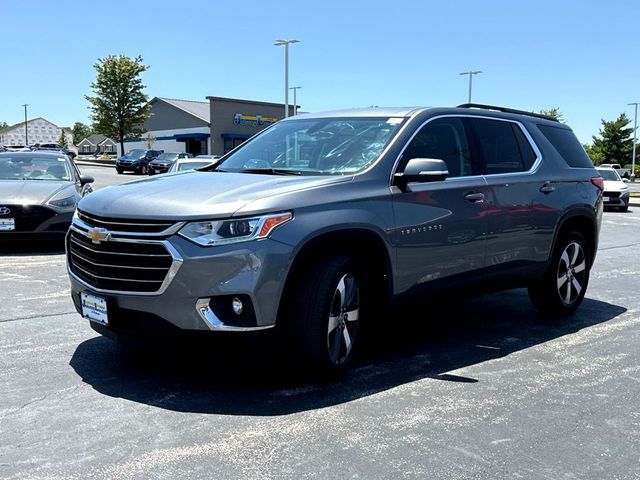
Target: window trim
{"type": "Point", "coordinates": [473, 146]}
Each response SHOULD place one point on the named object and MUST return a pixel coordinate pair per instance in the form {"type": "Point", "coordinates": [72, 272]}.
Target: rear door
{"type": "Point", "coordinates": [440, 226]}
{"type": "Point", "coordinates": [516, 196]}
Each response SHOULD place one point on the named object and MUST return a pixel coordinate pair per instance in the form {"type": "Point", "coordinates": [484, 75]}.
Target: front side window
{"type": "Point", "coordinates": [443, 139]}
{"type": "Point", "coordinates": [321, 146]}
{"type": "Point", "coordinates": [503, 146]}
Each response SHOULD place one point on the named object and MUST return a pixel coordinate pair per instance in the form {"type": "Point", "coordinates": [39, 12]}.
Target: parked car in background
{"type": "Point", "coordinates": [616, 192]}
{"type": "Point", "coordinates": [623, 172]}
{"type": "Point", "coordinates": [70, 152]}
{"type": "Point", "coordinates": [163, 162]}
{"type": "Point", "coordinates": [39, 192]}
{"type": "Point", "coordinates": [136, 160]}
{"type": "Point", "coordinates": [196, 162]}
{"type": "Point", "coordinates": [318, 222]}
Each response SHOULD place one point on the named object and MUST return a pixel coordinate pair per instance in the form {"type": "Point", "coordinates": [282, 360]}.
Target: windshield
{"type": "Point", "coordinates": [322, 146]}
{"type": "Point", "coordinates": [609, 175]}
{"type": "Point", "coordinates": [167, 157]}
{"type": "Point", "coordinates": [134, 154]}
{"type": "Point", "coordinates": [33, 168]}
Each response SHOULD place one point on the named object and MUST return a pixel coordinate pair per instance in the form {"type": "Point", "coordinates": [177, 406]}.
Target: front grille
{"type": "Point", "coordinates": [125, 225]}
{"type": "Point", "coordinates": [119, 266]}
{"type": "Point", "coordinates": [28, 217]}
{"type": "Point", "coordinates": [611, 194]}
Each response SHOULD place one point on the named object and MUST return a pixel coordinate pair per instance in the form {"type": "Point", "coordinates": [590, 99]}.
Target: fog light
{"type": "Point", "coordinates": [236, 305]}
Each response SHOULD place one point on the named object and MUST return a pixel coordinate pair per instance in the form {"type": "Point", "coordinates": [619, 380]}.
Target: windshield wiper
{"type": "Point", "coordinates": [269, 171]}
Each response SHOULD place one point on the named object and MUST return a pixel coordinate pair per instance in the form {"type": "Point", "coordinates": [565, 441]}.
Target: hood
{"type": "Point", "coordinates": [614, 186]}
{"type": "Point", "coordinates": [34, 192]}
{"type": "Point", "coordinates": [194, 194]}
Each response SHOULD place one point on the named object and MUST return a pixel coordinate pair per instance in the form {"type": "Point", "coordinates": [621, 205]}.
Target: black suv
{"type": "Point", "coordinates": [137, 160]}
{"type": "Point", "coordinates": [314, 223]}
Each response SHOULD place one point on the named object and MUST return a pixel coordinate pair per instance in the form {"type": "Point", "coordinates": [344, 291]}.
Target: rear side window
{"type": "Point", "coordinates": [567, 145]}
{"type": "Point", "coordinates": [504, 147]}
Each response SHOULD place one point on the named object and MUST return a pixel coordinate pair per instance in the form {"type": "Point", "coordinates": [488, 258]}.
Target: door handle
{"type": "Point", "coordinates": [547, 188]}
{"type": "Point", "coordinates": [474, 197]}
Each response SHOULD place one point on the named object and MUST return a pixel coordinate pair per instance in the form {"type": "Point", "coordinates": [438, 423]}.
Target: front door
{"type": "Point", "coordinates": [440, 226]}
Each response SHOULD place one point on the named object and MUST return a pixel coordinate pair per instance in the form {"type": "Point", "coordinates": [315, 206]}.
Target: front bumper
{"type": "Point", "coordinates": [615, 199]}
{"type": "Point", "coordinates": [37, 220]}
{"type": "Point", "coordinates": [128, 166]}
{"type": "Point", "coordinates": [198, 294]}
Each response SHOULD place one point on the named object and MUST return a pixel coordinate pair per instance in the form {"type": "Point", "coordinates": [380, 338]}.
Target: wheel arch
{"type": "Point", "coordinates": [582, 220]}
{"type": "Point", "coordinates": [366, 246]}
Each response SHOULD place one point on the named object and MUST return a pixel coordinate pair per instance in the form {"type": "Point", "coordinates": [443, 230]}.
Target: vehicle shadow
{"type": "Point", "coordinates": [235, 379]}
{"type": "Point", "coordinates": [53, 245]}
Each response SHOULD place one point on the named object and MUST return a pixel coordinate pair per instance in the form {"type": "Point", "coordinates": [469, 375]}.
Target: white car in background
{"type": "Point", "coordinates": [616, 192]}
{"type": "Point", "coordinates": [191, 163]}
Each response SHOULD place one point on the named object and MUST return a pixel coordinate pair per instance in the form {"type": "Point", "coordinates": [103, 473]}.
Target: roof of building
{"type": "Point", "coordinates": [94, 139]}
{"type": "Point", "coordinates": [21, 124]}
{"type": "Point", "coordinates": [197, 109]}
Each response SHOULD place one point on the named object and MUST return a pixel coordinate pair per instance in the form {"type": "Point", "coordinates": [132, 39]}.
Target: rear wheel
{"type": "Point", "coordinates": [325, 322]}
{"type": "Point", "coordinates": [564, 284]}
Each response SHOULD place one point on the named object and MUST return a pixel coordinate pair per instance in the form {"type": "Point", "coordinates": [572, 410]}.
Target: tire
{"type": "Point", "coordinates": [325, 320]}
{"type": "Point", "coordinates": [119, 170]}
{"type": "Point", "coordinates": [144, 169]}
{"type": "Point", "coordinates": [561, 290]}
{"type": "Point", "coordinates": [624, 208]}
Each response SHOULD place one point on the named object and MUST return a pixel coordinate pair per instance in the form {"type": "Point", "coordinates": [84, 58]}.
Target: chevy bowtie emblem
{"type": "Point", "coordinates": [4, 211]}
{"type": "Point", "coordinates": [98, 235]}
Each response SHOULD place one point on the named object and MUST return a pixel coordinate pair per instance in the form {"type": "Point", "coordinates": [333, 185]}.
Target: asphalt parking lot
{"type": "Point", "coordinates": [478, 389]}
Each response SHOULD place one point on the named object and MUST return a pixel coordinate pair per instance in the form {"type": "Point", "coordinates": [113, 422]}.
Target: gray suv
{"type": "Point", "coordinates": [315, 223]}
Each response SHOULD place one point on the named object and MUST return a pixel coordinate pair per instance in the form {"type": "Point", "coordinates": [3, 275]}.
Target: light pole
{"type": "Point", "coordinates": [471, 73]}
{"type": "Point", "coordinates": [26, 133]}
{"type": "Point", "coordinates": [295, 101]}
{"type": "Point", "coordinates": [635, 131]}
{"type": "Point", "coordinates": [286, 43]}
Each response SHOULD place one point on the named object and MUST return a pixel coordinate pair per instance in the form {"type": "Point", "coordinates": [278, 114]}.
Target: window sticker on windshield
{"type": "Point", "coordinates": [394, 121]}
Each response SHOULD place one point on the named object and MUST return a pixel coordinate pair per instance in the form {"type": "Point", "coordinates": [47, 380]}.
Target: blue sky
{"type": "Point", "coordinates": [575, 55]}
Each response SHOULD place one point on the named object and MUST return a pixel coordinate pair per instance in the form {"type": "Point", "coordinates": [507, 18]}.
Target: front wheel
{"type": "Point", "coordinates": [564, 284]}
{"type": "Point", "coordinates": [144, 169]}
{"type": "Point", "coordinates": [119, 170]}
{"type": "Point", "coordinates": [326, 319]}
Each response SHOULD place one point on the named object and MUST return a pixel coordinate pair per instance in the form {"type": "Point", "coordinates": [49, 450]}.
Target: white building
{"type": "Point", "coordinates": [39, 130]}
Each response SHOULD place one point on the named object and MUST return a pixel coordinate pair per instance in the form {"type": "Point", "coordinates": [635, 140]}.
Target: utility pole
{"type": "Point", "coordinates": [635, 131]}
{"type": "Point", "coordinates": [295, 100]}
{"type": "Point", "coordinates": [471, 73]}
{"type": "Point", "coordinates": [26, 132]}
{"type": "Point", "coordinates": [285, 43]}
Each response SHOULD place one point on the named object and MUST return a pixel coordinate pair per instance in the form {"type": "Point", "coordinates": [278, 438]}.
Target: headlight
{"type": "Point", "coordinates": [222, 232]}
{"type": "Point", "coordinates": [63, 201]}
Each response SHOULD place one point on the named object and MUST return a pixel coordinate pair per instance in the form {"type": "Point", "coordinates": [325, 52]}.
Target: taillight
{"type": "Point", "coordinates": [598, 182]}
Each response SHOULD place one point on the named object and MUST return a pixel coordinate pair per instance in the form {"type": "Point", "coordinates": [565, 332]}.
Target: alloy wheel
{"type": "Point", "coordinates": [343, 319]}
{"type": "Point", "coordinates": [572, 271]}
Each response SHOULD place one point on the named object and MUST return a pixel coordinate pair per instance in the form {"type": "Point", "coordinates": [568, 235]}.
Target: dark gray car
{"type": "Point", "coordinates": [317, 222]}
{"type": "Point", "coordinates": [39, 192]}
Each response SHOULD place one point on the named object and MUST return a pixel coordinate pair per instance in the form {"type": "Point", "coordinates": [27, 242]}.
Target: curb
{"type": "Point", "coordinates": [102, 163]}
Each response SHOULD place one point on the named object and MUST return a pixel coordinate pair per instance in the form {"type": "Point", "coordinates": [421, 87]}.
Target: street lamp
{"type": "Point", "coordinates": [286, 43]}
{"type": "Point", "coordinates": [635, 131]}
{"type": "Point", "coordinates": [471, 73]}
{"type": "Point", "coordinates": [26, 133]}
{"type": "Point", "coordinates": [295, 101]}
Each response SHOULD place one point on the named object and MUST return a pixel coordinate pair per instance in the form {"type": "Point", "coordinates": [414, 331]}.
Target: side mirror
{"type": "Point", "coordinates": [422, 170]}
{"type": "Point", "coordinates": [84, 179]}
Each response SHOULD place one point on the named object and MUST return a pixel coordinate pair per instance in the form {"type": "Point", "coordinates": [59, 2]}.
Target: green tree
{"type": "Point", "coordinates": [553, 113]}
{"type": "Point", "coordinates": [3, 125]}
{"type": "Point", "coordinates": [614, 143]}
{"type": "Point", "coordinates": [62, 139]}
{"type": "Point", "coordinates": [80, 132]}
{"type": "Point", "coordinates": [120, 106]}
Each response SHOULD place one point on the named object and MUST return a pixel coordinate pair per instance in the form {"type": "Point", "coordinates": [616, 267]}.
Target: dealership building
{"type": "Point", "coordinates": [213, 127]}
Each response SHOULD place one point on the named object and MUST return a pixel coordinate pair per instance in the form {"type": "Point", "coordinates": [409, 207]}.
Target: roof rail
{"type": "Point", "coordinates": [507, 110]}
